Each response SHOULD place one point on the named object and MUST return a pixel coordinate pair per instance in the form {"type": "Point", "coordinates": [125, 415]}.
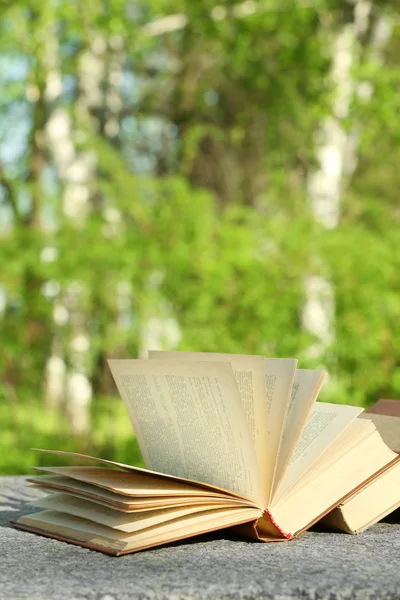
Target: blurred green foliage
{"type": "Point", "coordinates": [29, 425]}
{"type": "Point", "coordinates": [200, 142]}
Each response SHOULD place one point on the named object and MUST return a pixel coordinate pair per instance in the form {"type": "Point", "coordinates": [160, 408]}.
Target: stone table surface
{"type": "Point", "coordinates": [317, 566]}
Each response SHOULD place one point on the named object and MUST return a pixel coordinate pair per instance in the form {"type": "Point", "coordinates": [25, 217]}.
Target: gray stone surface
{"type": "Point", "coordinates": [317, 566]}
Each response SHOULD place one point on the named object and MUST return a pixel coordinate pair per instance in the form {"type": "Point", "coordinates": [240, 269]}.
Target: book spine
{"type": "Point", "coordinates": [288, 536]}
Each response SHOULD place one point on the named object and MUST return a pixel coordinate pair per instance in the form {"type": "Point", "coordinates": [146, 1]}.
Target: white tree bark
{"type": "Point", "coordinates": [67, 375]}
{"type": "Point", "coordinates": [101, 63]}
{"type": "Point", "coordinates": [337, 158]}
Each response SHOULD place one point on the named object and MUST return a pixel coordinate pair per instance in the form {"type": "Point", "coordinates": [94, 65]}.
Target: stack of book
{"type": "Point", "coordinates": [232, 441]}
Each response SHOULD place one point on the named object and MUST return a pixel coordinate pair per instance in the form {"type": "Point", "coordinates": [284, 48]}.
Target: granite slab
{"type": "Point", "coordinates": [317, 566]}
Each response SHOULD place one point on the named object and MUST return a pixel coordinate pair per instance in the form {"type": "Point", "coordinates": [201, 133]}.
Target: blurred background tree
{"type": "Point", "coordinates": [192, 175]}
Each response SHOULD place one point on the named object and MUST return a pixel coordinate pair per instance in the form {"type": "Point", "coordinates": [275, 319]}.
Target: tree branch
{"type": "Point", "coordinates": [10, 194]}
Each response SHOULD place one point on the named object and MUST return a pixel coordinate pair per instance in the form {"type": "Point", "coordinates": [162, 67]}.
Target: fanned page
{"type": "Point", "coordinates": [279, 375]}
{"type": "Point", "coordinates": [250, 378]}
{"type": "Point", "coordinates": [128, 504]}
{"type": "Point", "coordinates": [327, 485]}
{"type": "Point", "coordinates": [265, 385]}
{"type": "Point", "coordinates": [326, 423]}
{"type": "Point", "coordinates": [129, 484]}
{"type": "Point", "coordinates": [114, 499]}
{"type": "Point", "coordinates": [306, 387]}
{"type": "Point", "coordinates": [189, 421]}
{"type": "Point", "coordinates": [352, 435]}
{"type": "Point", "coordinates": [119, 520]}
{"type": "Point", "coordinates": [100, 537]}
{"type": "Point", "coordinates": [139, 470]}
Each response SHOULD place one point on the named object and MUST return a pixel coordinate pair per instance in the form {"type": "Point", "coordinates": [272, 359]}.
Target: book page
{"type": "Point", "coordinates": [306, 386]}
{"type": "Point", "coordinates": [352, 435]}
{"type": "Point", "coordinates": [250, 379]}
{"type": "Point", "coordinates": [165, 477]}
{"type": "Point", "coordinates": [70, 527]}
{"type": "Point", "coordinates": [127, 522]}
{"type": "Point", "coordinates": [279, 377]}
{"type": "Point", "coordinates": [264, 385]}
{"type": "Point", "coordinates": [128, 484]}
{"type": "Point", "coordinates": [56, 483]}
{"type": "Point", "coordinates": [190, 422]}
{"type": "Point", "coordinates": [326, 423]}
{"type": "Point", "coordinates": [330, 485]}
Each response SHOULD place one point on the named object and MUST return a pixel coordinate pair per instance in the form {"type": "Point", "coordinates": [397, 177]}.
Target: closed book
{"type": "Point", "coordinates": [380, 496]}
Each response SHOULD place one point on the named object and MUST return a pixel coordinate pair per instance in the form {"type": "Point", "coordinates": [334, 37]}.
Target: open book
{"type": "Point", "coordinates": [381, 496]}
{"type": "Point", "coordinates": [228, 441]}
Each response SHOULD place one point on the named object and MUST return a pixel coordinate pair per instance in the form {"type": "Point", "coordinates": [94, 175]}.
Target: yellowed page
{"type": "Point", "coordinates": [352, 435]}
{"type": "Point", "coordinates": [129, 484]}
{"type": "Point", "coordinates": [193, 525]}
{"type": "Point", "coordinates": [264, 385]}
{"type": "Point", "coordinates": [73, 486]}
{"type": "Point", "coordinates": [306, 386]}
{"type": "Point", "coordinates": [165, 477]}
{"type": "Point", "coordinates": [189, 421]}
{"type": "Point", "coordinates": [103, 537]}
{"type": "Point", "coordinates": [326, 423]}
{"type": "Point", "coordinates": [116, 519]}
{"type": "Point", "coordinates": [328, 486]}
{"type": "Point", "coordinates": [125, 503]}
{"type": "Point", "coordinates": [250, 378]}
{"type": "Point", "coordinates": [279, 375]}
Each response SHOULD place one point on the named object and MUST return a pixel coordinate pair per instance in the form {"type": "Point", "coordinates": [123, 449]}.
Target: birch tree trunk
{"type": "Point", "coordinates": [67, 373]}
{"type": "Point", "coordinates": [98, 105]}
{"type": "Point", "coordinates": [337, 158]}
{"type": "Point", "coordinates": [67, 381]}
